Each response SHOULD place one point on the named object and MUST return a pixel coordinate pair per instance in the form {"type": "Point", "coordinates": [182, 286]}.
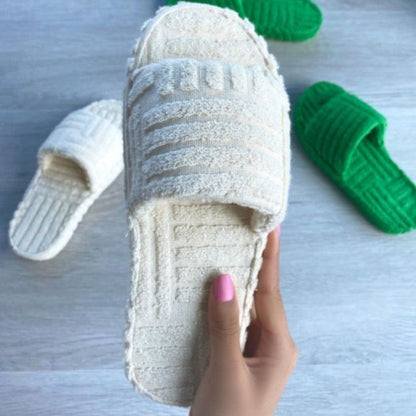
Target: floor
{"type": "Point", "coordinates": [349, 289]}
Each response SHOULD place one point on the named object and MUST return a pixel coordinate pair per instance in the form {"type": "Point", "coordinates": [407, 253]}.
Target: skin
{"type": "Point", "coordinates": [248, 383]}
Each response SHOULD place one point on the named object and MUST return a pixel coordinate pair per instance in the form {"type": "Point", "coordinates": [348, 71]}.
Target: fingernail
{"type": "Point", "coordinates": [223, 288]}
{"type": "Point", "coordinates": [278, 230]}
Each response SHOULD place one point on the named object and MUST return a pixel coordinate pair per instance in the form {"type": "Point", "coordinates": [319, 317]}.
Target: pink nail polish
{"type": "Point", "coordinates": [223, 288]}
{"type": "Point", "coordinates": [278, 229]}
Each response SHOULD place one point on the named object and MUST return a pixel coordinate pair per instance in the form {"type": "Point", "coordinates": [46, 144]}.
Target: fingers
{"type": "Point", "coordinates": [224, 327]}
{"type": "Point", "coordinates": [269, 278]}
{"type": "Point", "coordinates": [267, 297]}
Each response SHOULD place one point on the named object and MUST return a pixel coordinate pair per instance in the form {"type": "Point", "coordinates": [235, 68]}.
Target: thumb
{"type": "Point", "coordinates": [224, 327]}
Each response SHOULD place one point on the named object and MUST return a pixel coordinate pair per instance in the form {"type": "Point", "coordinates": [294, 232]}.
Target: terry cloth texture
{"type": "Point", "coordinates": [206, 178]}
{"type": "Point", "coordinates": [80, 158]}
{"type": "Point", "coordinates": [290, 20]}
{"type": "Point", "coordinates": [344, 136]}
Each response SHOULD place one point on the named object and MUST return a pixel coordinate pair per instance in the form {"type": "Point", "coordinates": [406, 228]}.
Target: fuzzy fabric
{"type": "Point", "coordinates": [206, 178]}
{"type": "Point", "coordinates": [344, 136]}
{"type": "Point", "coordinates": [79, 159]}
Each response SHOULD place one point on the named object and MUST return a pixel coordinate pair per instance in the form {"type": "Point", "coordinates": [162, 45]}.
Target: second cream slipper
{"type": "Point", "coordinates": [206, 178]}
{"type": "Point", "coordinates": [81, 157]}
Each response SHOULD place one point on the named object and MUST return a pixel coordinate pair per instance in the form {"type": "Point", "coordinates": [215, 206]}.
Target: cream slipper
{"type": "Point", "coordinates": [79, 159]}
{"type": "Point", "coordinates": [206, 178]}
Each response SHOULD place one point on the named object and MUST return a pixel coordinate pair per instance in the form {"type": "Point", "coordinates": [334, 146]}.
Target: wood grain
{"type": "Point", "coordinates": [349, 289]}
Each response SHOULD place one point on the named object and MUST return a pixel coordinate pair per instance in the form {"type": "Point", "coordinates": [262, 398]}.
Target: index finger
{"type": "Point", "coordinates": [267, 297]}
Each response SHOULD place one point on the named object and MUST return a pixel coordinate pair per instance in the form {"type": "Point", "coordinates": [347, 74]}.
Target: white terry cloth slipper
{"type": "Point", "coordinates": [206, 153]}
{"type": "Point", "coordinates": [79, 159]}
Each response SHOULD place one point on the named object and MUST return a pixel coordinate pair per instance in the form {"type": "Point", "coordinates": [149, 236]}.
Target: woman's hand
{"type": "Point", "coordinates": [249, 383]}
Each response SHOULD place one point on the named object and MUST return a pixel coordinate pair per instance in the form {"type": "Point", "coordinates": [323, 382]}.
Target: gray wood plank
{"type": "Point", "coordinates": [349, 289]}
{"type": "Point", "coordinates": [342, 389]}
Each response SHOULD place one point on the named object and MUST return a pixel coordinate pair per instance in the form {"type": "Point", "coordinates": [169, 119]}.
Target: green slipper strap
{"type": "Point", "coordinates": [339, 126]}
{"type": "Point", "coordinates": [290, 20]}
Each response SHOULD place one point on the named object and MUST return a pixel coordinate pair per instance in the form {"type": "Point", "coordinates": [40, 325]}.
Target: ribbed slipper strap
{"type": "Point", "coordinates": [208, 131]}
{"type": "Point", "coordinates": [91, 141]}
{"type": "Point", "coordinates": [338, 127]}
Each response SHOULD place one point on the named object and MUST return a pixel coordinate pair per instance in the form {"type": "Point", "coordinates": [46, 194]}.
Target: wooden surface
{"type": "Point", "coordinates": [350, 290]}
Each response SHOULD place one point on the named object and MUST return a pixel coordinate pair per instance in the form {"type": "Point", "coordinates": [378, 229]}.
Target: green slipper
{"type": "Point", "coordinates": [293, 20]}
{"type": "Point", "coordinates": [344, 136]}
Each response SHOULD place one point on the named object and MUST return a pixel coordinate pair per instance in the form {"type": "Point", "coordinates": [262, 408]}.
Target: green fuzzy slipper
{"type": "Point", "coordinates": [292, 20]}
{"type": "Point", "coordinates": [344, 136]}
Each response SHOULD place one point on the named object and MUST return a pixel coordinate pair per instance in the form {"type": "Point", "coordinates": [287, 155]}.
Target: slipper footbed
{"type": "Point", "coordinates": [53, 198]}
{"type": "Point", "coordinates": [186, 244]}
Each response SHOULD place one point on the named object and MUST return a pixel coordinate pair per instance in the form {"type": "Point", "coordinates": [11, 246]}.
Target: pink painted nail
{"type": "Point", "coordinates": [223, 288]}
{"type": "Point", "coordinates": [278, 229]}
